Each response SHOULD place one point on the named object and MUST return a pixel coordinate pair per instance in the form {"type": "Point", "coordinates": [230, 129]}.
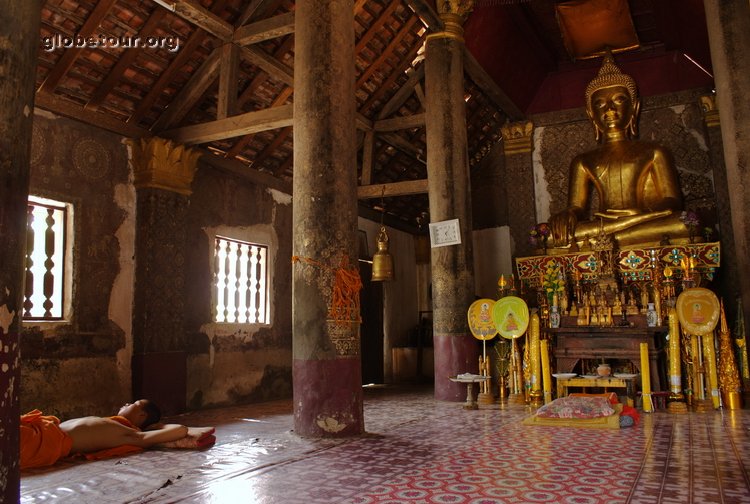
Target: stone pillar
{"type": "Point", "coordinates": [728, 274]}
{"type": "Point", "coordinates": [163, 172]}
{"type": "Point", "coordinates": [728, 23]}
{"type": "Point", "coordinates": [327, 371]}
{"type": "Point", "coordinates": [18, 55]}
{"type": "Point", "coordinates": [519, 179]}
{"type": "Point", "coordinates": [456, 350]}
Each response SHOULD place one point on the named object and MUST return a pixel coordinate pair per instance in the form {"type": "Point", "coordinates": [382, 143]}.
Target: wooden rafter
{"type": "Point", "coordinates": [390, 81]}
{"type": "Point", "coordinates": [269, 64]}
{"type": "Point", "coordinates": [427, 14]}
{"type": "Point", "coordinates": [190, 92]}
{"type": "Point", "coordinates": [186, 52]}
{"type": "Point", "coordinates": [123, 63]}
{"type": "Point", "coordinates": [67, 108]}
{"type": "Point", "coordinates": [69, 56]}
{"type": "Point", "coordinates": [387, 52]}
{"type": "Point", "coordinates": [193, 12]}
{"type": "Point", "coordinates": [376, 25]}
{"type": "Point", "coordinates": [403, 93]}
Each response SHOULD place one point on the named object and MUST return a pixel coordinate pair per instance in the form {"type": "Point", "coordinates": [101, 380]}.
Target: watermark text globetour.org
{"type": "Point", "coordinates": [60, 41]}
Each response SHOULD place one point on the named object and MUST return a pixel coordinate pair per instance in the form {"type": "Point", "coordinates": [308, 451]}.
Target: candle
{"type": "Point", "coordinates": [546, 375]}
{"type": "Point", "coordinates": [675, 373]}
{"type": "Point", "coordinates": [645, 380]}
{"type": "Point", "coordinates": [709, 356]}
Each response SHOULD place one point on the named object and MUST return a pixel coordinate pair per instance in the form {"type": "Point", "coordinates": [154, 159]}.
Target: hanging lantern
{"type": "Point", "coordinates": [382, 261]}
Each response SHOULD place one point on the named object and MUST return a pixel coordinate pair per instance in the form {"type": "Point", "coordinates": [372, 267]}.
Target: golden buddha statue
{"type": "Point", "coordinates": [636, 181]}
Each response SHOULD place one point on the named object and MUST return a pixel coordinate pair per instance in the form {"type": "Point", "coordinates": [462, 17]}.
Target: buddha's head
{"type": "Point", "coordinates": [612, 101]}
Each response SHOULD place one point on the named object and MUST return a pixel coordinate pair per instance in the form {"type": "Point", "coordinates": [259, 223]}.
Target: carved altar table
{"type": "Point", "coordinates": [572, 344]}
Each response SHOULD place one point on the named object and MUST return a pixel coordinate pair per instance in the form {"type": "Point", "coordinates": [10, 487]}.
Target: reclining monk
{"type": "Point", "coordinates": [636, 181]}
{"type": "Point", "coordinates": [45, 440]}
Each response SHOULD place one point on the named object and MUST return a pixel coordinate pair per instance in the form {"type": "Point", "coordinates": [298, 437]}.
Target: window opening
{"type": "Point", "coordinates": [45, 259]}
{"type": "Point", "coordinates": [240, 282]}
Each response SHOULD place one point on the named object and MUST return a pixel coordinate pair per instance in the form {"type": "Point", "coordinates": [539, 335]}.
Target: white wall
{"type": "Point", "coordinates": [400, 299]}
{"type": "Point", "coordinates": [492, 258]}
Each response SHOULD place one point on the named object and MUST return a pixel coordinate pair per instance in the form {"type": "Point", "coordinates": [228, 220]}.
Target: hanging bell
{"type": "Point", "coordinates": [382, 261]}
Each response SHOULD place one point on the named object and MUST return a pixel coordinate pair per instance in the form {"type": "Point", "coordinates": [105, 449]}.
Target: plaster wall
{"type": "Point", "coordinates": [237, 363]}
{"type": "Point", "coordinates": [81, 365]}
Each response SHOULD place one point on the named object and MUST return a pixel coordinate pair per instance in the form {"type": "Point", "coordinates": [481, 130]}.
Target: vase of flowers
{"type": "Point", "coordinates": [690, 219]}
{"type": "Point", "coordinates": [538, 235]}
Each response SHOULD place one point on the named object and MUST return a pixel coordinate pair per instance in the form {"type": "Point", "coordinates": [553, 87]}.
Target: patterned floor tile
{"type": "Point", "coordinates": [419, 450]}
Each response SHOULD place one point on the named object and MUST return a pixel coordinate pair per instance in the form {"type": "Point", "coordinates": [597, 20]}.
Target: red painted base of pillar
{"type": "Point", "coordinates": [161, 377]}
{"type": "Point", "coordinates": [454, 354]}
{"type": "Point", "coordinates": [328, 398]}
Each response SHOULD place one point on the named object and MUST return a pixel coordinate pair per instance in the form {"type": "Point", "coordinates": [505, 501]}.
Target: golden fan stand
{"type": "Point", "coordinates": [483, 328]}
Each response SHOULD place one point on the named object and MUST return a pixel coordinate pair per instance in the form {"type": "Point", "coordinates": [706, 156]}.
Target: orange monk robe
{"type": "Point", "coordinates": [42, 441]}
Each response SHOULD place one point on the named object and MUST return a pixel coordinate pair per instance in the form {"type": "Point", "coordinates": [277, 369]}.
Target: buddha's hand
{"type": "Point", "coordinates": [616, 213]}
{"type": "Point", "coordinates": [563, 227]}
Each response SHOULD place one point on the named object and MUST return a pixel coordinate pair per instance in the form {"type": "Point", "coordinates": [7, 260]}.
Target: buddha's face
{"type": "Point", "coordinates": [612, 108]}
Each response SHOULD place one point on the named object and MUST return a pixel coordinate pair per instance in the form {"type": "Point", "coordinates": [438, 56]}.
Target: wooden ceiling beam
{"type": "Point", "coordinates": [242, 124]}
{"type": "Point", "coordinates": [69, 56]}
{"type": "Point", "coordinates": [255, 176]}
{"type": "Point", "coordinates": [427, 15]}
{"type": "Point", "coordinates": [194, 13]}
{"type": "Point", "coordinates": [242, 142]}
{"type": "Point", "coordinates": [404, 188]}
{"type": "Point", "coordinates": [266, 29]}
{"type": "Point", "coordinates": [226, 104]}
{"type": "Point", "coordinates": [67, 108]}
{"type": "Point", "coordinates": [404, 146]}
{"type": "Point", "coordinates": [403, 93]}
{"type": "Point", "coordinates": [272, 66]}
{"type": "Point", "coordinates": [190, 92]}
{"type": "Point", "coordinates": [400, 123]}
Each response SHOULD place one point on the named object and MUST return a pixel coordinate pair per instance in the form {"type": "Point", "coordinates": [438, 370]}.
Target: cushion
{"type": "Point", "coordinates": [576, 407]}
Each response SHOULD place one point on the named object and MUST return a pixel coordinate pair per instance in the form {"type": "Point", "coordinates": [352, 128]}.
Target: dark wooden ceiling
{"type": "Point", "coordinates": [236, 59]}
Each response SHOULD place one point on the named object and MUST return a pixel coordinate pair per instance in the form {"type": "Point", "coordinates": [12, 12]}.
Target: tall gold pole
{"type": "Point", "coordinates": [535, 394]}
{"type": "Point", "coordinates": [729, 376]}
{"type": "Point", "coordinates": [709, 358]}
{"type": "Point", "coordinates": [648, 405]}
{"type": "Point", "coordinates": [676, 397]}
{"type": "Point", "coordinates": [546, 374]}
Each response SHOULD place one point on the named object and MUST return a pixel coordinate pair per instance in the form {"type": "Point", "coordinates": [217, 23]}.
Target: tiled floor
{"type": "Point", "coordinates": [419, 450]}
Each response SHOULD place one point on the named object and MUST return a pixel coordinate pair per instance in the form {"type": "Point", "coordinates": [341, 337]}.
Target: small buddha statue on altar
{"type": "Point", "coordinates": [636, 181]}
